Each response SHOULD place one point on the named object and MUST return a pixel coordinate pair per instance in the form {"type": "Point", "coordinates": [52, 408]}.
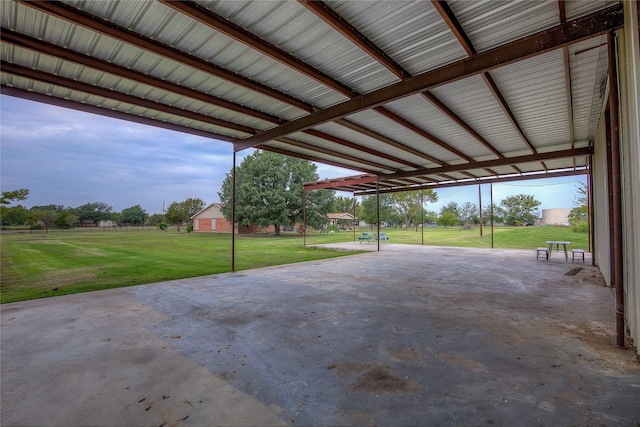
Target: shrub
{"type": "Point", "coordinates": [163, 226]}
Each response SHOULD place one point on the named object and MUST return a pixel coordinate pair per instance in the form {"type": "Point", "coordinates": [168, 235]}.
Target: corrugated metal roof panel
{"type": "Point", "coordinates": [588, 63]}
{"type": "Point", "coordinates": [299, 32]}
{"type": "Point", "coordinates": [472, 100]}
{"type": "Point", "coordinates": [393, 130]}
{"type": "Point", "coordinates": [310, 139]}
{"type": "Point", "coordinates": [412, 33]}
{"type": "Point", "coordinates": [577, 8]}
{"type": "Point", "coordinates": [535, 92]}
{"type": "Point", "coordinates": [182, 32]}
{"type": "Point", "coordinates": [490, 23]}
{"type": "Point", "coordinates": [422, 113]}
{"type": "Point", "coordinates": [370, 143]}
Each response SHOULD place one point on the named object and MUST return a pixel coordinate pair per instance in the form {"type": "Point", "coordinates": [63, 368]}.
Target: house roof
{"type": "Point", "coordinates": [405, 94]}
{"type": "Point", "coordinates": [219, 205]}
{"type": "Point", "coordinates": [342, 215]}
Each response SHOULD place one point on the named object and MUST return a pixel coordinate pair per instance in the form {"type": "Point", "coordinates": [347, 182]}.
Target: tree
{"type": "Point", "coordinates": [469, 213]}
{"type": "Point", "coordinates": [95, 212]}
{"type": "Point", "coordinates": [449, 215]}
{"type": "Point", "coordinates": [408, 204]}
{"type": "Point", "coordinates": [519, 209]}
{"type": "Point", "coordinates": [269, 190]}
{"type": "Point", "coordinates": [9, 197]}
{"type": "Point", "coordinates": [370, 211]}
{"type": "Point", "coordinates": [133, 215]}
{"type": "Point", "coordinates": [579, 215]}
{"type": "Point", "coordinates": [180, 213]}
{"type": "Point", "coordinates": [498, 214]}
{"type": "Point", "coordinates": [15, 215]}
{"type": "Point", "coordinates": [46, 217]}
{"type": "Point", "coordinates": [343, 204]}
{"type": "Point", "coordinates": [65, 219]}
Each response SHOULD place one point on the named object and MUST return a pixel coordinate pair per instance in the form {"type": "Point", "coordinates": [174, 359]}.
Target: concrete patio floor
{"type": "Point", "coordinates": [410, 335]}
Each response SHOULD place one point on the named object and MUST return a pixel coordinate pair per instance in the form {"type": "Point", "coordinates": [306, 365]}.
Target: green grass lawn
{"type": "Point", "coordinates": [39, 264]}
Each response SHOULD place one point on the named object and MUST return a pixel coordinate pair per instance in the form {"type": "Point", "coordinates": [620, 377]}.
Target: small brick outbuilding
{"type": "Point", "coordinates": [211, 220]}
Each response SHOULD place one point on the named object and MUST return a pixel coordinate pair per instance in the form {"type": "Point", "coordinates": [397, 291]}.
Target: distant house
{"type": "Point", "coordinates": [211, 220]}
{"type": "Point", "coordinates": [341, 220]}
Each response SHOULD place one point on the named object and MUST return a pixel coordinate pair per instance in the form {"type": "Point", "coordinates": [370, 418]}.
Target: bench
{"type": "Point", "coordinates": [544, 252]}
{"type": "Point", "coordinates": [579, 252]}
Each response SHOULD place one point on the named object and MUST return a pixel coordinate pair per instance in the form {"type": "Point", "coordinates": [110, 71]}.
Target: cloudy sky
{"type": "Point", "coordinates": [66, 157]}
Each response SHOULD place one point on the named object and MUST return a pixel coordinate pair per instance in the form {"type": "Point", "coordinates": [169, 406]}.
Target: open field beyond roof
{"type": "Point", "coordinates": [37, 265]}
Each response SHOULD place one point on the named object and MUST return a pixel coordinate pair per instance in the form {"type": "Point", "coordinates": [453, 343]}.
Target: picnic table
{"type": "Point", "coordinates": [558, 243]}
{"type": "Point", "coordinates": [366, 237]}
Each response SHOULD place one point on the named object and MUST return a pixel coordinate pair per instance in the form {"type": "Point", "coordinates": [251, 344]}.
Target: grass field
{"type": "Point", "coordinates": [39, 264]}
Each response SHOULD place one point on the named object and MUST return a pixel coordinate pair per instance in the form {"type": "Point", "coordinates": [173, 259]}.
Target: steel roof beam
{"type": "Point", "coordinates": [544, 41]}
{"type": "Point", "coordinates": [329, 152]}
{"type": "Point", "coordinates": [456, 28]}
{"type": "Point", "coordinates": [40, 46]}
{"type": "Point", "coordinates": [365, 131]}
{"type": "Point", "coordinates": [585, 151]}
{"type": "Point", "coordinates": [220, 24]}
{"type": "Point", "coordinates": [86, 108]}
{"type": "Point", "coordinates": [498, 179]}
{"type": "Point", "coordinates": [119, 96]}
{"type": "Point", "coordinates": [345, 143]}
{"type": "Point", "coordinates": [458, 120]}
{"type": "Point", "coordinates": [328, 15]}
{"type": "Point", "coordinates": [351, 33]}
{"type": "Point", "coordinates": [417, 129]}
{"type": "Point", "coordinates": [78, 17]}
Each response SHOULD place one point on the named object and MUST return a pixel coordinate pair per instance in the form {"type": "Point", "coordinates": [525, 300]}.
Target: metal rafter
{"type": "Point", "coordinates": [333, 153]}
{"type": "Point", "coordinates": [456, 28]}
{"type": "Point", "coordinates": [107, 112]}
{"type": "Point", "coordinates": [585, 151]}
{"type": "Point", "coordinates": [353, 126]}
{"type": "Point", "coordinates": [40, 46]}
{"type": "Point", "coordinates": [497, 179]}
{"type": "Point", "coordinates": [345, 143]}
{"type": "Point", "coordinates": [351, 33]}
{"type": "Point", "coordinates": [329, 16]}
{"type": "Point", "coordinates": [544, 41]}
{"type": "Point", "coordinates": [124, 35]}
{"type": "Point", "coordinates": [119, 96]}
{"type": "Point", "coordinates": [222, 25]}
{"type": "Point", "coordinates": [562, 14]}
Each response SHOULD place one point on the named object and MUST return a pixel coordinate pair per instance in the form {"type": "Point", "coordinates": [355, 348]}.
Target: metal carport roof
{"type": "Point", "coordinates": [409, 93]}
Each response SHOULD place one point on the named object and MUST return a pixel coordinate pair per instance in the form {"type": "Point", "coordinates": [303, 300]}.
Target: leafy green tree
{"type": "Point", "coordinates": [154, 219]}
{"type": "Point", "coordinates": [469, 213]}
{"type": "Point", "coordinates": [519, 209]}
{"type": "Point", "coordinates": [9, 197]}
{"type": "Point", "coordinates": [180, 213]}
{"type": "Point", "coordinates": [133, 215]}
{"type": "Point", "coordinates": [370, 212]}
{"type": "Point", "coordinates": [408, 204]}
{"type": "Point", "coordinates": [579, 215]}
{"type": "Point", "coordinates": [66, 219]}
{"type": "Point", "coordinates": [45, 217]}
{"type": "Point", "coordinates": [15, 215]}
{"type": "Point", "coordinates": [95, 212]}
{"type": "Point", "coordinates": [343, 204]}
{"type": "Point", "coordinates": [430, 217]}
{"type": "Point", "coordinates": [449, 215]}
{"type": "Point", "coordinates": [498, 215]}
{"type": "Point", "coordinates": [269, 189]}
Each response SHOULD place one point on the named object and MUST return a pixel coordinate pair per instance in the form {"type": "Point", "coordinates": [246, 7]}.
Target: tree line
{"type": "Point", "coordinates": [269, 191]}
